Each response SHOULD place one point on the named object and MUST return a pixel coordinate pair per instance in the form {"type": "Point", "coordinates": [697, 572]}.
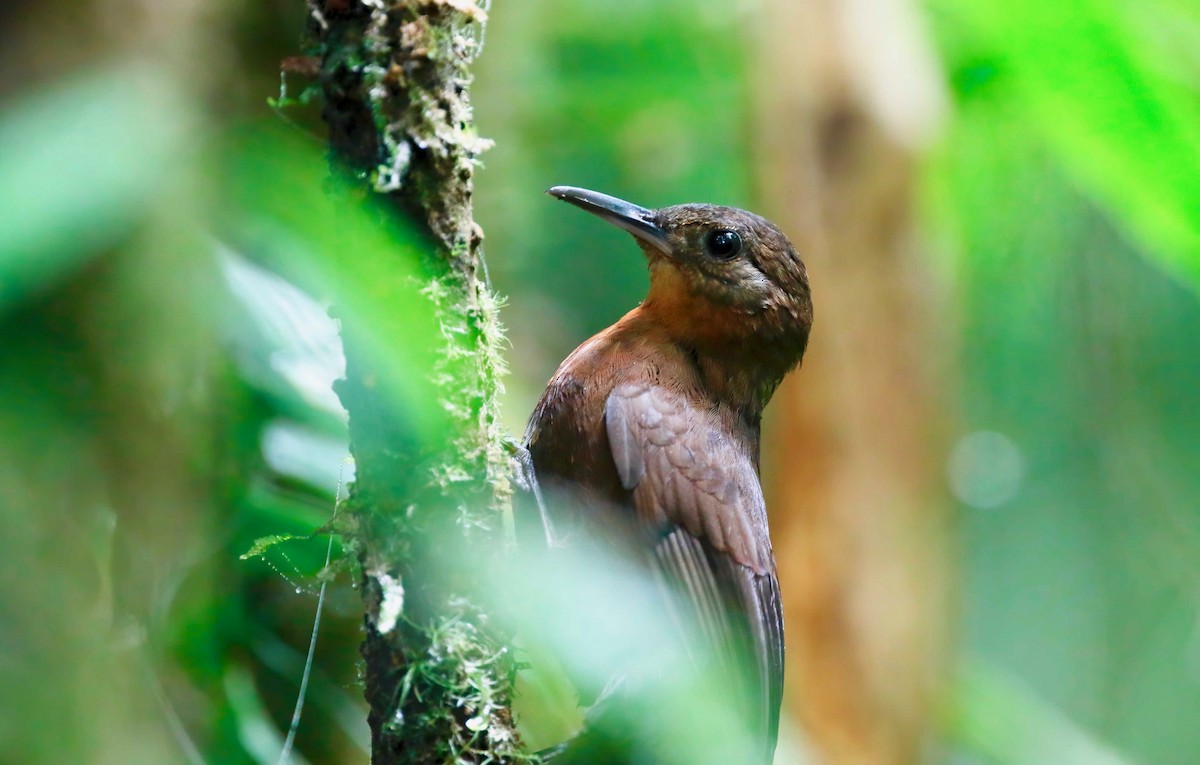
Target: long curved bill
{"type": "Point", "coordinates": [636, 220]}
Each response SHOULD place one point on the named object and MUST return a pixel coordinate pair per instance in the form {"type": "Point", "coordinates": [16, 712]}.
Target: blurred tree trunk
{"type": "Point", "coordinates": [847, 92]}
{"type": "Point", "coordinates": [395, 79]}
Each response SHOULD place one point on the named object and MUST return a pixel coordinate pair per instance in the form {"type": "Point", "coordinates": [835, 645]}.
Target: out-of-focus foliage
{"type": "Point", "coordinates": [1001, 720]}
{"type": "Point", "coordinates": [1065, 190]}
{"type": "Point", "coordinates": [174, 394]}
{"type": "Point", "coordinates": [123, 132]}
{"type": "Point", "coordinates": [603, 620]}
{"type": "Point", "coordinates": [164, 396]}
{"type": "Point", "coordinates": [280, 204]}
{"type": "Point", "coordinates": [1110, 90]}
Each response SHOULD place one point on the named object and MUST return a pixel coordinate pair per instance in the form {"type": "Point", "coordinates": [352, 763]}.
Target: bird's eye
{"type": "Point", "coordinates": [723, 244]}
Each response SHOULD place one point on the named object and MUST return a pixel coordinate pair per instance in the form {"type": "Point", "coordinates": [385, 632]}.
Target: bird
{"type": "Point", "coordinates": [653, 424]}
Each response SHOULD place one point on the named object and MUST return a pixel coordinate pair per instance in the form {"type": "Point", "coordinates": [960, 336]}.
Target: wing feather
{"type": "Point", "coordinates": [697, 490]}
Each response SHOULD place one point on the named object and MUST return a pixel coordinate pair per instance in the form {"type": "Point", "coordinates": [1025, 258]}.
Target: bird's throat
{"type": "Point", "coordinates": [739, 378]}
{"type": "Point", "coordinates": [740, 355]}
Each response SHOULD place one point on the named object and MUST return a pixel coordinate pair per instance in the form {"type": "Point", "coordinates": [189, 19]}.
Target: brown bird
{"type": "Point", "coordinates": [653, 424]}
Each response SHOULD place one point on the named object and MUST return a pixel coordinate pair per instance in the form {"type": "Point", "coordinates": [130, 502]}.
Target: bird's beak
{"type": "Point", "coordinates": [636, 220]}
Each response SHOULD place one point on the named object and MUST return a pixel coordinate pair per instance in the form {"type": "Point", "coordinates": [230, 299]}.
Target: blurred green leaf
{"type": "Point", "coordinates": [1088, 82]}
{"type": "Point", "coordinates": [546, 704]}
{"type": "Point", "coordinates": [1082, 352]}
{"type": "Point", "coordinates": [993, 715]}
{"type": "Point", "coordinates": [280, 203]}
{"type": "Point", "coordinates": [80, 164]}
{"type": "Point", "coordinates": [604, 619]}
{"type": "Point", "coordinates": [255, 728]}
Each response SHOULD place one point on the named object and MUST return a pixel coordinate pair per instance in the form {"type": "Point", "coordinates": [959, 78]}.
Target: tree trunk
{"type": "Point", "coordinates": [395, 79]}
{"type": "Point", "coordinates": [856, 510]}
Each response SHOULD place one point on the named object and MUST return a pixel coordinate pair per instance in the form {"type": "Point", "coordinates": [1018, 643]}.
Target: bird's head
{"type": "Point", "coordinates": [719, 276]}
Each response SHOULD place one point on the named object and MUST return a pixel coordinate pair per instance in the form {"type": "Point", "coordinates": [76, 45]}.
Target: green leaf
{"type": "Point", "coordinates": [81, 164]}
{"type": "Point", "coordinates": [992, 714]}
{"type": "Point", "coordinates": [281, 204]}
{"type": "Point", "coordinates": [1087, 77]}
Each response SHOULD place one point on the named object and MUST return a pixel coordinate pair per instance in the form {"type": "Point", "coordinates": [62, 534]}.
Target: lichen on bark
{"type": "Point", "coordinates": [395, 80]}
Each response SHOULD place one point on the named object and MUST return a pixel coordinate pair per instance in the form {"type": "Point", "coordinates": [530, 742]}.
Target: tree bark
{"type": "Point", "coordinates": [395, 80]}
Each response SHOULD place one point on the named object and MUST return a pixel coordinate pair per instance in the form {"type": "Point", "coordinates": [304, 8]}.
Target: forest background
{"type": "Point", "coordinates": [984, 482]}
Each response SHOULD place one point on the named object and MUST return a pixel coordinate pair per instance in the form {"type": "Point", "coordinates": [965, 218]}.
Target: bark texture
{"type": "Point", "coordinates": [395, 80]}
{"type": "Point", "coordinates": [857, 511]}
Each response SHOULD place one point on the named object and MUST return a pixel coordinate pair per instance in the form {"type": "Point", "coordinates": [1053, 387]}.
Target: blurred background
{"type": "Point", "coordinates": [984, 482]}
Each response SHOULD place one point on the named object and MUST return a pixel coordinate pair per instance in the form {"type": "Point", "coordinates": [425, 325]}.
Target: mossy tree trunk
{"type": "Point", "coordinates": [395, 82]}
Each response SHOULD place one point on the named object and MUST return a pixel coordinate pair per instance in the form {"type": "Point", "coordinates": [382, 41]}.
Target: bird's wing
{"type": "Point", "coordinates": [697, 488]}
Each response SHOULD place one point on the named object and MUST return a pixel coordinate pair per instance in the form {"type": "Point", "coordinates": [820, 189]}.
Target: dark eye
{"type": "Point", "coordinates": [723, 244]}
